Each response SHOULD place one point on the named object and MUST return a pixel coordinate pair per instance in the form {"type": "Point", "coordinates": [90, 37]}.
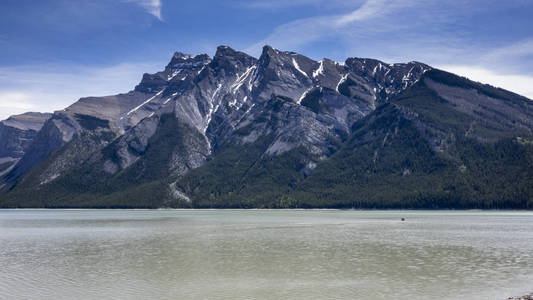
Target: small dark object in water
{"type": "Point", "coordinates": [403, 219]}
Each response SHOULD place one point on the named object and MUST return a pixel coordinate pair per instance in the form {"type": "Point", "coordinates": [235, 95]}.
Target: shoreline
{"type": "Point", "coordinates": [276, 209]}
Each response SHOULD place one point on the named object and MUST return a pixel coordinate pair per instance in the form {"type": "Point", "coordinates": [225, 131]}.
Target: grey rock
{"type": "Point", "coordinates": [18, 132]}
{"type": "Point", "coordinates": [232, 98]}
{"type": "Point", "coordinates": [16, 136]}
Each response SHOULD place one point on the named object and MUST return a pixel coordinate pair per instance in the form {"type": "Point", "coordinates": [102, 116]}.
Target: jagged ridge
{"type": "Point", "coordinates": [251, 133]}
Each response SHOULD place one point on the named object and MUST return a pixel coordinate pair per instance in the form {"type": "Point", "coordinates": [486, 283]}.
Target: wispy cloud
{"type": "Point", "coordinates": [153, 7]}
{"type": "Point", "coordinates": [16, 101]}
{"type": "Point", "coordinates": [303, 31]}
{"type": "Point", "coordinates": [515, 57]}
{"type": "Point", "coordinates": [47, 88]}
{"type": "Point", "coordinates": [435, 32]}
{"type": "Point", "coordinates": [369, 9]}
{"type": "Point", "coordinates": [520, 48]}
{"type": "Point", "coordinates": [277, 4]}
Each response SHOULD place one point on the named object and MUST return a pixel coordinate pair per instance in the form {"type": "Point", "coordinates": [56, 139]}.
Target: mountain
{"type": "Point", "coordinates": [16, 135]}
{"type": "Point", "coordinates": [283, 130]}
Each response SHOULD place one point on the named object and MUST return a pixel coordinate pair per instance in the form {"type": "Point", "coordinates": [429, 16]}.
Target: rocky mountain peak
{"type": "Point", "coordinates": [270, 57]}
{"type": "Point", "coordinates": [27, 121]}
{"type": "Point", "coordinates": [223, 51]}
{"type": "Point", "coordinates": [236, 116]}
{"type": "Point", "coordinates": [281, 73]}
{"type": "Point", "coordinates": [268, 51]}
{"type": "Point", "coordinates": [270, 54]}
{"type": "Point", "coordinates": [16, 135]}
{"type": "Point", "coordinates": [230, 61]}
{"type": "Point", "coordinates": [181, 56]}
{"type": "Point", "coordinates": [180, 64]}
{"type": "Point", "coordinates": [386, 79]}
{"type": "Point", "coordinates": [180, 60]}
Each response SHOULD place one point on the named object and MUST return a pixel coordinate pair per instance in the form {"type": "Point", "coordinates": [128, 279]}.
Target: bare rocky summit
{"type": "Point", "coordinates": [281, 130]}
{"type": "Point", "coordinates": [16, 135]}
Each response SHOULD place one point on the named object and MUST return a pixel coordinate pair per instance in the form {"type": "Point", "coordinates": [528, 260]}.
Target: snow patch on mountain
{"type": "Point", "coordinates": [304, 94]}
{"type": "Point", "coordinates": [145, 102]}
{"type": "Point", "coordinates": [295, 63]}
{"type": "Point", "coordinates": [341, 81]}
{"type": "Point", "coordinates": [319, 70]}
{"type": "Point", "coordinates": [241, 79]}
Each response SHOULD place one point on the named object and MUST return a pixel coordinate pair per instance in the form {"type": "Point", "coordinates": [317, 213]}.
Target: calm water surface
{"type": "Point", "coordinates": [221, 254]}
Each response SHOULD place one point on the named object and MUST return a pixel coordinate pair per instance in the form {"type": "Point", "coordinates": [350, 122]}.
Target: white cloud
{"type": "Point", "coordinates": [369, 9]}
{"type": "Point", "coordinates": [520, 48]}
{"type": "Point", "coordinates": [278, 4]}
{"type": "Point", "coordinates": [47, 88]}
{"type": "Point", "coordinates": [520, 84]}
{"type": "Point", "coordinates": [293, 35]}
{"type": "Point", "coordinates": [153, 7]}
{"type": "Point", "coordinates": [14, 103]}
{"type": "Point", "coordinates": [422, 30]}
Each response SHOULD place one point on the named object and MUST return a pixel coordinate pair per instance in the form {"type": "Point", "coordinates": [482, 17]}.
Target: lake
{"type": "Point", "coordinates": [265, 254]}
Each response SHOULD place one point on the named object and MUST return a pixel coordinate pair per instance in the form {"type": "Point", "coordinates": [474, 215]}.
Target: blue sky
{"type": "Point", "coordinates": [54, 51]}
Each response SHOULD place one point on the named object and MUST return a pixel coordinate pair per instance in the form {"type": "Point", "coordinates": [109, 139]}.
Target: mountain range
{"type": "Point", "coordinates": [278, 131]}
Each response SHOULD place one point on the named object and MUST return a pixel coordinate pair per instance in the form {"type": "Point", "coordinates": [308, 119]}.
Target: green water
{"type": "Point", "coordinates": [236, 254]}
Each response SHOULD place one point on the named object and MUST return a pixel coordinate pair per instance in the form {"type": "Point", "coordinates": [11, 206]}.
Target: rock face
{"type": "Point", "coordinates": [277, 131]}
{"type": "Point", "coordinates": [16, 135]}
